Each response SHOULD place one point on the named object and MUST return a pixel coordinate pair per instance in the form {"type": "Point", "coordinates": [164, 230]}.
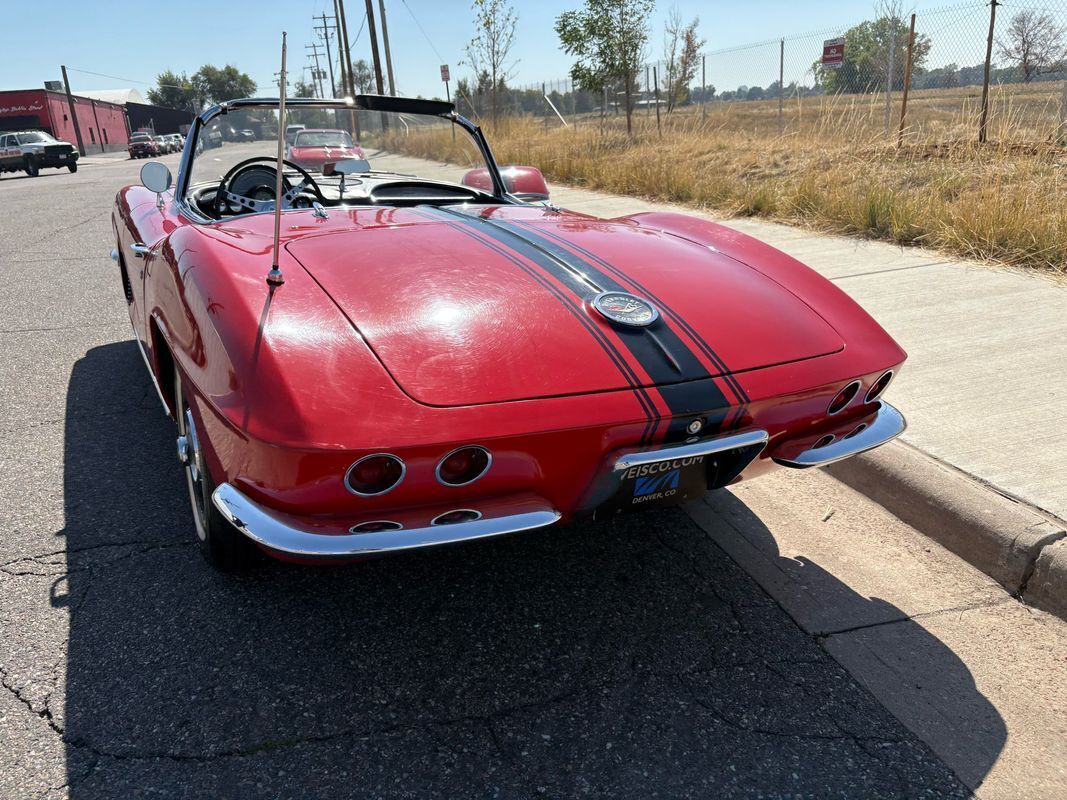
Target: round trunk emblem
{"type": "Point", "coordinates": [625, 309]}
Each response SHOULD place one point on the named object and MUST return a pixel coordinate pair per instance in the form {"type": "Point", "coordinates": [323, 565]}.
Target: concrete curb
{"type": "Point", "coordinates": [1012, 543]}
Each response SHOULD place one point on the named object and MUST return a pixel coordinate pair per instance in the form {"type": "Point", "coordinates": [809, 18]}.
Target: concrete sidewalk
{"type": "Point", "coordinates": [984, 388]}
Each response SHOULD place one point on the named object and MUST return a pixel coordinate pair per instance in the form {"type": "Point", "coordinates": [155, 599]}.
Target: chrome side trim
{"type": "Point", "coordinates": [151, 372]}
{"type": "Point", "coordinates": [732, 441]}
{"type": "Point", "coordinates": [887, 424]}
{"type": "Point", "coordinates": [269, 530]}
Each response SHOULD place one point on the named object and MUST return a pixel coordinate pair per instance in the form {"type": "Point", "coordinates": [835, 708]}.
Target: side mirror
{"type": "Point", "coordinates": [156, 178]}
{"type": "Point", "coordinates": [526, 183]}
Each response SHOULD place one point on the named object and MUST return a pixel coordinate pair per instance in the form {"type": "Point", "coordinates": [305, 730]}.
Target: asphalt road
{"type": "Point", "coordinates": [617, 659]}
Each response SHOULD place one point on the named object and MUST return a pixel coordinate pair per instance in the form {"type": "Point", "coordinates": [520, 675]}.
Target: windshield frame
{"type": "Point", "coordinates": [369, 102]}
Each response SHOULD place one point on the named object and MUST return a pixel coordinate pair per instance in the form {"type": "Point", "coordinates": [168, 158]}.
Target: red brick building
{"type": "Point", "coordinates": [103, 125]}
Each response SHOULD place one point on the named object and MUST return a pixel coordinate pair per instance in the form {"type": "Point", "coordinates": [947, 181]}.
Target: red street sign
{"type": "Point", "coordinates": [444, 72]}
{"type": "Point", "coordinates": [833, 52]}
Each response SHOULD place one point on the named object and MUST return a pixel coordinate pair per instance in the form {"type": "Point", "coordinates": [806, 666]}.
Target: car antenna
{"type": "Point", "coordinates": [274, 277]}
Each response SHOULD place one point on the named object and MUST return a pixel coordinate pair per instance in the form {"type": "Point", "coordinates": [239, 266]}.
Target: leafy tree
{"type": "Point", "coordinates": [608, 38]}
{"type": "Point", "coordinates": [1035, 44]}
{"type": "Point", "coordinates": [363, 76]}
{"type": "Point", "coordinates": [216, 84]}
{"type": "Point", "coordinates": [494, 24]}
{"type": "Point", "coordinates": [870, 47]}
{"type": "Point", "coordinates": [682, 55]}
{"type": "Point", "coordinates": [173, 91]}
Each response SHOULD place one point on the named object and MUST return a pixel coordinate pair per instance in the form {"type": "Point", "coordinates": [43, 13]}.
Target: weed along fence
{"type": "Point", "coordinates": [969, 72]}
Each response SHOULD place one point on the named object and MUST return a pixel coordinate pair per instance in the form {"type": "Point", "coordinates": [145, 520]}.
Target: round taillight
{"type": "Point", "coordinates": [828, 439]}
{"type": "Point", "coordinates": [457, 516]}
{"type": "Point", "coordinates": [878, 387]}
{"type": "Point", "coordinates": [843, 398]}
{"type": "Point", "coordinates": [375, 526]}
{"type": "Point", "coordinates": [463, 465]}
{"type": "Point", "coordinates": [373, 475]}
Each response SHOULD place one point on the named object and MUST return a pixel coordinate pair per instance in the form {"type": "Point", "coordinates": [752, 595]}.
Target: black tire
{"type": "Point", "coordinates": [72, 167]}
{"type": "Point", "coordinates": [222, 545]}
{"type": "Point", "coordinates": [31, 167]}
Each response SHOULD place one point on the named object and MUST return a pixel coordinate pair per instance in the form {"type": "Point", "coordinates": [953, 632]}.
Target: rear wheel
{"type": "Point", "coordinates": [224, 547]}
{"type": "Point", "coordinates": [31, 167]}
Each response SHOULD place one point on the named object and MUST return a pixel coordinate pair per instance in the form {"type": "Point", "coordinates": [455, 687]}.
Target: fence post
{"type": "Point", "coordinates": [544, 94]}
{"type": "Point", "coordinates": [648, 94]}
{"type": "Point", "coordinates": [1061, 134]}
{"type": "Point", "coordinates": [703, 86]}
{"type": "Point", "coordinates": [985, 78]}
{"type": "Point", "coordinates": [889, 74]}
{"type": "Point", "coordinates": [907, 83]}
{"type": "Point", "coordinates": [781, 85]}
{"type": "Point", "coordinates": [655, 82]}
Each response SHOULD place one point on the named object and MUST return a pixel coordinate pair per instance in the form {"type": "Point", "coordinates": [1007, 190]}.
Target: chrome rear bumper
{"type": "Point", "coordinates": [272, 531]}
{"type": "Point", "coordinates": [888, 423]}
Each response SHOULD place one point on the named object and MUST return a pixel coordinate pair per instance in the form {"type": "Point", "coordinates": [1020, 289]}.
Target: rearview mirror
{"type": "Point", "coordinates": [348, 166]}
{"type": "Point", "coordinates": [525, 183]}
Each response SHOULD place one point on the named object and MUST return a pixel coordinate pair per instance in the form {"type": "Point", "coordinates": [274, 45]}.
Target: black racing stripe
{"type": "Point", "coordinates": [700, 342]}
{"type": "Point", "coordinates": [586, 281]}
{"type": "Point", "coordinates": [644, 400]}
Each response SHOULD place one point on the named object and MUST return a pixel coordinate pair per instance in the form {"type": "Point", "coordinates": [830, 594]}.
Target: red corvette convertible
{"type": "Point", "coordinates": [314, 148]}
{"type": "Point", "coordinates": [425, 359]}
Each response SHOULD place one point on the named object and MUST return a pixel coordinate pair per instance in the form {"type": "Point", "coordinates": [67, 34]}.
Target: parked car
{"type": "Point", "coordinates": [177, 142]}
{"type": "Point", "coordinates": [143, 145]}
{"type": "Point", "coordinates": [165, 144]}
{"type": "Point", "coordinates": [419, 360]}
{"type": "Point", "coordinates": [291, 131]}
{"type": "Point", "coordinates": [246, 135]}
{"type": "Point", "coordinates": [314, 147]}
{"type": "Point", "coordinates": [29, 151]}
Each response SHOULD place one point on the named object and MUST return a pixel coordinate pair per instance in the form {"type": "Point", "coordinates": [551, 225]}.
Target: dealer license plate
{"type": "Point", "coordinates": [661, 483]}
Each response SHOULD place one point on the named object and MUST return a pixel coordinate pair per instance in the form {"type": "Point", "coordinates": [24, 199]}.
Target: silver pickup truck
{"type": "Point", "coordinates": [29, 151]}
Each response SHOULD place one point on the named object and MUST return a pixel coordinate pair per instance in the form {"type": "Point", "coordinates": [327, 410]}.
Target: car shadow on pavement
{"type": "Point", "coordinates": [625, 658]}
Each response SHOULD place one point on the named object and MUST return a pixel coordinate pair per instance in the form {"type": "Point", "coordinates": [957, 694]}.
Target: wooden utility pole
{"type": "Point", "coordinates": [985, 78]}
{"type": "Point", "coordinates": [907, 83]}
{"type": "Point", "coordinates": [385, 44]}
{"type": "Point", "coordinates": [73, 113]}
{"type": "Point", "coordinates": [346, 50]}
{"type": "Point", "coordinates": [314, 48]}
{"type": "Point", "coordinates": [324, 32]}
{"type": "Point", "coordinates": [374, 47]}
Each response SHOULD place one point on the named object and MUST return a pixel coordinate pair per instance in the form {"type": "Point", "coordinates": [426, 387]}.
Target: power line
{"type": "Point", "coordinates": [423, 31]}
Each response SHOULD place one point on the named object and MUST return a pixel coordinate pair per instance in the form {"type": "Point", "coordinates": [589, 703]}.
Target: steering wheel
{"type": "Point", "coordinates": [250, 186]}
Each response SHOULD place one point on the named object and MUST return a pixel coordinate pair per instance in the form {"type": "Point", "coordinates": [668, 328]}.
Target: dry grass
{"type": "Point", "coordinates": [832, 168]}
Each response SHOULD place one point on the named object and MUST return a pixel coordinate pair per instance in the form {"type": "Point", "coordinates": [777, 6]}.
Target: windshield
{"type": "Point", "coordinates": [388, 158]}
{"type": "Point", "coordinates": [34, 136]}
{"type": "Point", "coordinates": [140, 137]}
{"type": "Point", "coordinates": [322, 139]}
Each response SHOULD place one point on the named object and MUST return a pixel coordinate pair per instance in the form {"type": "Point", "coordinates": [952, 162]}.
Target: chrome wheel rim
{"type": "Point", "coordinates": [193, 466]}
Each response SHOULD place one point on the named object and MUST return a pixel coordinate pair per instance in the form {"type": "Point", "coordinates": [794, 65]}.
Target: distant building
{"type": "Point", "coordinates": [103, 125]}
{"type": "Point", "coordinates": [105, 117]}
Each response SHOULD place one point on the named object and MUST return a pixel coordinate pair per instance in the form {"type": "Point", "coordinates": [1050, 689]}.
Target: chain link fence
{"type": "Point", "coordinates": [782, 85]}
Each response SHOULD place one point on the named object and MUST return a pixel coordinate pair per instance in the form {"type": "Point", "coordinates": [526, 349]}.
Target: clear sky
{"type": "Point", "coordinates": [134, 41]}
